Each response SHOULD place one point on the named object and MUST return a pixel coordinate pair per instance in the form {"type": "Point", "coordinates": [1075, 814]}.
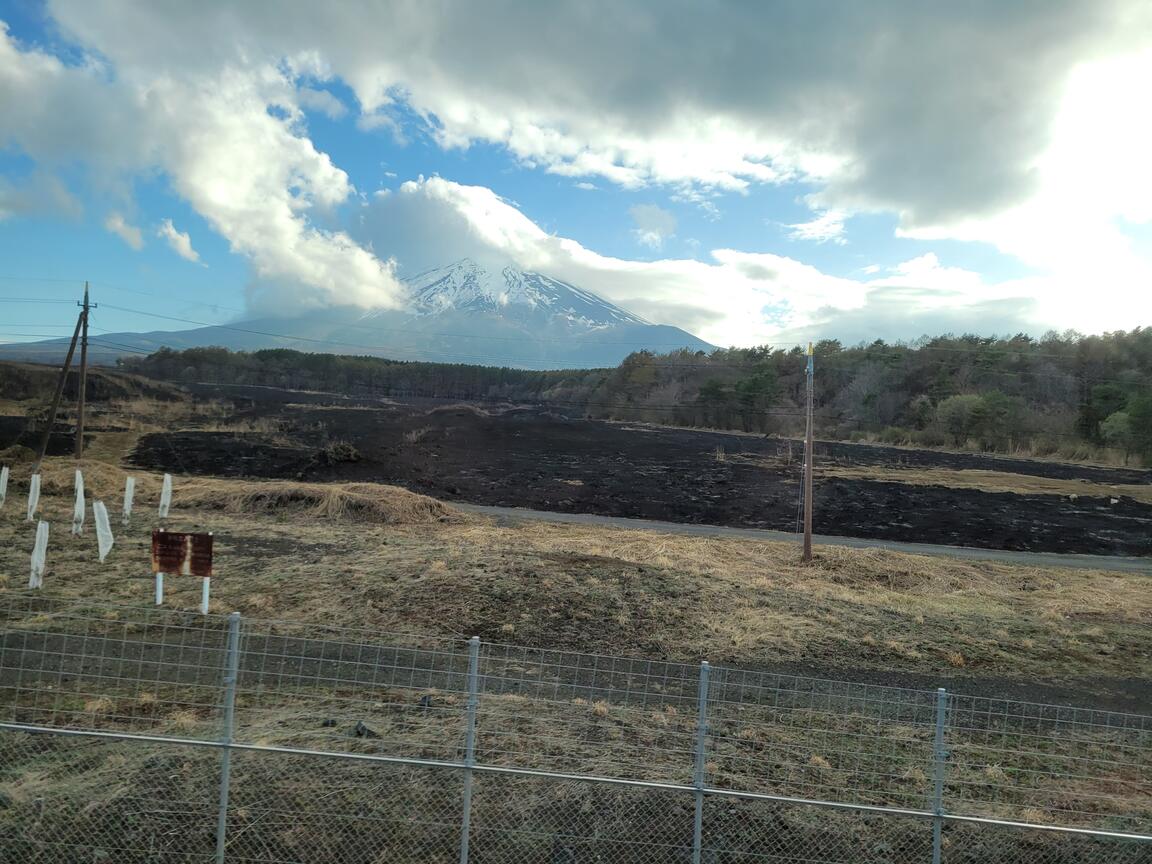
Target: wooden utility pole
{"type": "Point", "coordinates": [56, 396]}
{"type": "Point", "coordinates": [83, 373]}
{"type": "Point", "coordinates": [808, 440]}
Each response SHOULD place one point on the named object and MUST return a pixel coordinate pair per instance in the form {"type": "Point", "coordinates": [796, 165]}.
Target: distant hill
{"type": "Point", "coordinates": [463, 313]}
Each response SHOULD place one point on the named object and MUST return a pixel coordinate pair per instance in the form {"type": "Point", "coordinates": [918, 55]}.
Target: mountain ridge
{"type": "Point", "coordinates": [460, 313]}
{"type": "Point", "coordinates": [467, 286]}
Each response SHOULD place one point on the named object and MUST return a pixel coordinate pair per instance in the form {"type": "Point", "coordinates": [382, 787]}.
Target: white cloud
{"type": "Point", "coordinates": [585, 185]}
{"type": "Point", "coordinates": [935, 113]}
{"type": "Point", "coordinates": [321, 101]}
{"type": "Point", "coordinates": [40, 194]}
{"type": "Point", "coordinates": [1095, 176]}
{"type": "Point", "coordinates": [180, 242]}
{"type": "Point", "coordinates": [828, 226]}
{"type": "Point", "coordinates": [130, 234]}
{"type": "Point", "coordinates": [735, 297]}
{"type": "Point", "coordinates": [654, 225]}
{"type": "Point", "coordinates": [247, 171]}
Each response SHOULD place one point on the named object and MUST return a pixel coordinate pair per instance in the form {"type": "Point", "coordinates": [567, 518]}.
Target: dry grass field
{"type": "Point", "coordinates": [375, 556]}
{"type": "Point", "coordinates": [990, 481]}
{"type": "Point", "coordinates": [371, 555]}
{"type": "Point", "coordinates": [382, 558]}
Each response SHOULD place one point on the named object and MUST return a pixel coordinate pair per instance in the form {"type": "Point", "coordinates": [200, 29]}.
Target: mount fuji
{"type": "Point", "coordinates": [467, 287]}
{"type": "Point", "coordinates": [462, 313]}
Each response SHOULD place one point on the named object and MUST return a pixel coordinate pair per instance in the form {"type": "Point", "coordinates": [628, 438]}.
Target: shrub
{"type": "Point", "coordinates": [894, 435]}
{"type": "Point", "coordinates": [335, 453]}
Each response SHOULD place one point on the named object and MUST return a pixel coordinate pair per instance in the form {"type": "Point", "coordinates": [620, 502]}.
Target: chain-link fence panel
{"type": "Point", "coordinates": [131, 670]}
{"type": "Point", "coordinates": [967, 843]}
{"type": "Point", "coordinates": [740, 831]}
{"type": "Point", "coordinates": [285, 809]}
{"type": "Point", "coordinates": [821, 740]}
{"type": "Point", "coordinates": [587, 714]}
{"type": "Point", "coordinates": [352, 746]}
{"type": "Point", "coordinates": [341, 690]}
{"type": "Point", "coordinates": [542, 819]}
{"type": "Point", "coordinates": [72, 800]}
{"type": "Point", "coordinates": [1046, 763]}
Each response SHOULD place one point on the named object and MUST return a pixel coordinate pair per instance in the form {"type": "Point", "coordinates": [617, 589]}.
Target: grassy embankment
{"type": "Point", "coordinates": [381, 558]}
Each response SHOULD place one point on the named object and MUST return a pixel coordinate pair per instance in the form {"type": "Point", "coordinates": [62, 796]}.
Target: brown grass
{"type": "Point", "coordinates": [462, 406]}
{"type": "Point", "coordinates": [101, 480]}
{"type": "Point", "coordinates": [380, 557]}
{"type": "Point", "coordinates": [355, 502]}
{"type": "Point", "coordinates": [17, 454]}
{"type": "Point", "coordinates": [989, 481]}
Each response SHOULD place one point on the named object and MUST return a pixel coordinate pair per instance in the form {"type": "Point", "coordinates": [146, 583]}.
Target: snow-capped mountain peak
{"type": "Point", "coordinates": [466, 286]}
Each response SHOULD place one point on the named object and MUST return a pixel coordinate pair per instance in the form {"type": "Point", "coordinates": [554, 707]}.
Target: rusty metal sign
{"type": "Point", "coordinates": [182, 553]}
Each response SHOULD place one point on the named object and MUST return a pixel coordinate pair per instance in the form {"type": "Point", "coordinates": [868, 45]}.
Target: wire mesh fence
{"type": "Point", "coordinates": [145, 735]}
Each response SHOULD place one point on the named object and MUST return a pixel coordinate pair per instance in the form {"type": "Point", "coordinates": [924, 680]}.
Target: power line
{"type": "Point", "coordinates": [32, 300]}
{"type": "Point", "coordinates": [41, 279]}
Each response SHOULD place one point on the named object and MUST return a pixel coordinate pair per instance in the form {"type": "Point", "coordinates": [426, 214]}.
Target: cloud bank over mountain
{"type": "Point", "coordinates": [1014, 125]}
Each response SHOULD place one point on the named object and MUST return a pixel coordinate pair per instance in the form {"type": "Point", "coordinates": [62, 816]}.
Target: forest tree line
{"type": "Point", "coordinates": [1064, 394]}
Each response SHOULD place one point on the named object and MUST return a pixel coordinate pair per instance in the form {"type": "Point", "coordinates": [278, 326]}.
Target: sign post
{"type": "Point", "coordinates": [182, 554]}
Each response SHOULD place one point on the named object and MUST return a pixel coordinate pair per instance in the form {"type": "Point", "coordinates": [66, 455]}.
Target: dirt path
{"type": "Point", "coordinates": [1031, 559]}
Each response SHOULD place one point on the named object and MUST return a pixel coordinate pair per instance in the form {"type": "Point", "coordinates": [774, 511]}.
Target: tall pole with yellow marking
{"type": "Point", "coordinates": [808, 439]}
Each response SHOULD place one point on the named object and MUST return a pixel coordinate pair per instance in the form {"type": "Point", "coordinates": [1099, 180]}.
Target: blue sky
{"type": "Point", "coordinates": [624, 180]}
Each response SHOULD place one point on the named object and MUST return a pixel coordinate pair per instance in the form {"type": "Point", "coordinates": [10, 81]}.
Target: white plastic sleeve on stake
{"type": "Point", "coordinates": [205, 589]}
{"type": "Point", "coordinates": [159, 589]}
{"type": "Point", "coordinates": [3, 484]}
{"type": "Point", "coordinates": [39, 556]}
{"type": "Point", "coordinates": [33, 496]}
{"type": "Point", "coordinates": [166, 496]}
{"type": "Point", "coordinates": [78, 507]}
{"type": "Point", "coordinates": [129, 492]}
{"type": "Point", "coordinates": [103, 529]}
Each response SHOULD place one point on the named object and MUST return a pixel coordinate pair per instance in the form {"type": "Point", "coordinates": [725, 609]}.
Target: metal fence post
{"type": "Point", "coordinates": [231, 674]}
{"type": "Point", "coordinates": [470, 743]}
{"type": "Point", "coordinates": [939, 755]}
{"type": "Point", "coordinates": [698, 773]}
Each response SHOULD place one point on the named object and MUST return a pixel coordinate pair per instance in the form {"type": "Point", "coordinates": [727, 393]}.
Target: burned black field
{"type": "Point", "coordinates": [538, 459]}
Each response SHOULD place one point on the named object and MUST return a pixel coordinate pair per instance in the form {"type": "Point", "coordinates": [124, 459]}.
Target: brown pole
{"type": "Point", "coordinates": [56, 396]}
{"type": "Point", "coordinates": [83, 376]}
{"type": "Point", "coordinates": [808, 441]}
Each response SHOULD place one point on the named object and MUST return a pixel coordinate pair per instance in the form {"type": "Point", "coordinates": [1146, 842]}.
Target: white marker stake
{"type": "Point", "coordinates": [33, 496]}
{"type": "Point", "coordinates": [103, 529]}
{"type": "Point", "coordinates": [39, 554]}
{"type": "Point", "coordinates": [159, 588]}
{"type": "Point", "coordinates": [205, 588]}
{"type": "Point", "coordinates": [129, 492]}
{"type": "Point", "coordinates": [165, 496]}
{"type": "Point", "coordinates": [78, 507]}
{"type": "Point", "coordinates": [3, 484]}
